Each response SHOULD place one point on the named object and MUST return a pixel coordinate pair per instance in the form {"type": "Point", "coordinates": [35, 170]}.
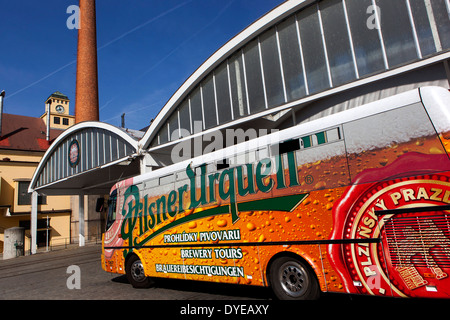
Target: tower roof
{"type": "Point", "coordinates": [59, 95]}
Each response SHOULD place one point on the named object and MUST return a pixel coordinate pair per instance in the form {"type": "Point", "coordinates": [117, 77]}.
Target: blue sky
{"type": "Point", "coordinates": [146, 50]}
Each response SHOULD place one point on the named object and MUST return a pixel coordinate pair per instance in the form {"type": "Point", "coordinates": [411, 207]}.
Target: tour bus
{"type": "Point", "coordinates": [355, 202]}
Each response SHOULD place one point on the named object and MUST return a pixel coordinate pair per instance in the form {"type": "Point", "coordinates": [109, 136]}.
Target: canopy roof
{"type": "Point", "coordinates": [87, 158]}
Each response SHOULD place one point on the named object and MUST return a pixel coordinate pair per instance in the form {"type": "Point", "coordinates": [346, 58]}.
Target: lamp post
{"type": "Point", "coordinates": [2, 96]}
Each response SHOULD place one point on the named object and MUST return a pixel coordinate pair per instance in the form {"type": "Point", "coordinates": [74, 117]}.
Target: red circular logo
{"type": "Point", "coordinates": [74, 153]}
{"type": "Point", "coordinates": [412, 257]}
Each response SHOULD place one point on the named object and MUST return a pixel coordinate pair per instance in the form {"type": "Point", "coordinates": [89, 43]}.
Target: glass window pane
{"type": "Point", "coordinates": [163, 134]}
{"type": "Point", "coordinates": [196, 111]}
{"type": "Point", "coordinates": [423, 27]}
{"type": "Point", "coordinates": [209, 102]}
{"type": "Point", "coordinates": [174, 133]}
{"type": "Point", "coordinates": [272, 68]}
{"type": "Point", "coordinates": [24, 197]}
{"type": "Point", "coordinates": [237, 82]}
{"type": "Point", "coordinates": [313, 53]}
{"type": "Point", "coordinates": [223, 93]}
{"type": "Point", "coordinates": [185, 119]}
{"type": "Point", "coordinates": [107, 148]}
{"type": "Point", "coordinates": [442, 15]}
{"type": "Point", "coordinates": [291, 58]}
{"type": "Point", "coordinates": [397, 32]}
{"type": "Point", "coordinates": [254, 77]}
{"type": "Point", "coordinates": [338, 42]}
{"type": "Point", "coordinates": [366, 41]}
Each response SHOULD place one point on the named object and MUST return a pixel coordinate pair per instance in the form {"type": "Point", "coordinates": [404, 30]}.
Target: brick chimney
{"type": "Point", "coordinates": [86, 94]}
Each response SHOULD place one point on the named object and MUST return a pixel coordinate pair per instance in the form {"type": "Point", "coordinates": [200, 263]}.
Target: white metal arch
{"type": "Point", "coordinates": [93, 172]}
{"type": "Point", "coordinates": [55, 175]}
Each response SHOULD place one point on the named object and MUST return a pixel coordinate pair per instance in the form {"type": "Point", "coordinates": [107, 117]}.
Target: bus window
{"type": "Point", "coordinates": [262, 153]}
{"type": "Point", "coordinates": [222, 164]}
{"type": "Point", "coordinates": [111, 210]}
{"type": "Point", "coordinates": [152, 183]}
{"type": "Point", "coordinates": [170, 178]}
{"type": "Point", "coordinates": [289, 146]}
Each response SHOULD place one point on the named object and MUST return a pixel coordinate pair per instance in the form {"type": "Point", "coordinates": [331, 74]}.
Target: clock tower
{"type": "Point", "coordinates": [59, 111]}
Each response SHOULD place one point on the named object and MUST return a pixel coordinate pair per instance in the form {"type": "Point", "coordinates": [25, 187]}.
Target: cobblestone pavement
{"type": "Point", "coordinates": [45, 275]}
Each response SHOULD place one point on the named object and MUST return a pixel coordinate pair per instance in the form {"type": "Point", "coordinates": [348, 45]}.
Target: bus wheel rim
{"type": "Point", "coordinates": [137, 271]}
{"type": "Point", "coordinates": [293, 279]}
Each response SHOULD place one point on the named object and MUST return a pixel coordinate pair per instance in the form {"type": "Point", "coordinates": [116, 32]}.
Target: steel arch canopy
{"type": "Point", "coordinates": [300, 52]}
{"type": "Point", "coordinates": [87, 158]}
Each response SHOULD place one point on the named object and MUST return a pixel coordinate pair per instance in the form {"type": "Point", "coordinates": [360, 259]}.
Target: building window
{"type": "Point", "coordinates": [313, 50]}
{"type": "Point", "coordinates": [338, 42]}
{"type": "Point", "coordinates": [185, 119]}
{"type": "Point", "coordinates": [397, 32]}
{"type": "Point", "coordinates": [223, 97]}
{"type": "Point", "coordinates": [196, 112]}
{"type": "Point", "coordinates": [209, 103]}
{"type": "Point", "coordinates": [174, 132]}
{"type": "Point", "coordinates": [65, 121]}
{"type": "Point", "coordinates": [272, 68]}
{"type": "Point", "coordinates": [56, 120]}
{"type": "Point", "coordinates": [164, 134]}
{"type": "Point", "coordinates": [238, 87]}
{"type": "Point", "coordinates": [366, 41]}
{"type": "Point", "coordinates": [24, 198]}
{"type": "Point", "coordinates": [292, 59]}
{"type": "Point", "coordinates": [255, 85]}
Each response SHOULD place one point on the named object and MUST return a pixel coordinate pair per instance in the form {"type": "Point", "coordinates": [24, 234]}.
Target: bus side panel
{"type": "Point", "coordinates": [156, 261]}
{"type": "Point", "coordinates": [291, 211]}
{"type": "Point", "coordinates": [437, 101]}
{"type": "Point", "coordinates": [396, 161]}
{"type": "Point", "coordinates": [221, 258]}
{"type": "Point", "coordinates": [115, 263]}
{"type": "Point", "coordinates": [113, 260]}
{"type": "Point", "coordinates": [315, 255]}
{"type": "Point", "coordinates": [379, 140]}
{"type": "Point", "coordinates": [411, 259]}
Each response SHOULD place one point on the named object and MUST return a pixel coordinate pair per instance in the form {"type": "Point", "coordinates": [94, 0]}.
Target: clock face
{"type": "Point", "coordinates": [59, 108]}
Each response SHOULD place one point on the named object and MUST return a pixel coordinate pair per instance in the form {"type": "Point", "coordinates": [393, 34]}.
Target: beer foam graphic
{"type": "Point", "coordinates": [381, 130]}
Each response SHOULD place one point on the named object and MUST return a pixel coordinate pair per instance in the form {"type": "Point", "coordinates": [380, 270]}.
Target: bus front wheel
{"type": "Point", "coordinates": [292, 279]}
{"type": "Point", "coordinates": [135, 273]}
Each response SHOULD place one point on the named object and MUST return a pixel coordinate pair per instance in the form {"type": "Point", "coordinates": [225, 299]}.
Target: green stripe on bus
{"type": "Point", "coordinates": [286, 203]}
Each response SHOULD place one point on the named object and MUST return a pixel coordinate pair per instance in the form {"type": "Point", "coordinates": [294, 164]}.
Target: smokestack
{"type": "Point", "coordinates": [2, 95]}
{"type": "Point", "coordinates": [86, 95]}
{"type": "Point", "coordinates": [123, 120]}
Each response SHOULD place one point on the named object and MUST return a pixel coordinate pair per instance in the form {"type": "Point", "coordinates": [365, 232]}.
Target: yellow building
{"type": "Point", "coordinates": [23, 142]}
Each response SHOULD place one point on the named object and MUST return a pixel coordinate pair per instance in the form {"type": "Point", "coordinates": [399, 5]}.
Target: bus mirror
{"type": "Point", "coordinates": [99, 205]}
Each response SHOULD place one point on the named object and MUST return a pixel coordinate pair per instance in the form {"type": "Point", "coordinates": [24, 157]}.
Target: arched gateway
{"type": "Point", "coordinates": [86, 159]}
